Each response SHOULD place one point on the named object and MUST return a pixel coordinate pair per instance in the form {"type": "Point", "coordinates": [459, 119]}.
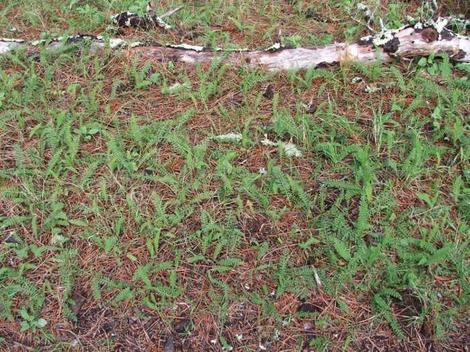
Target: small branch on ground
{"type": "Point", "coordinates": [171, 12]}
{"type": "Point", "coordinates": [149, 20]}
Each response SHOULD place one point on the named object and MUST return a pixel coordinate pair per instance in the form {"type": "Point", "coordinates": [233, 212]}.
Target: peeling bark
{"type": "Point", "coordinates": [406, 42]}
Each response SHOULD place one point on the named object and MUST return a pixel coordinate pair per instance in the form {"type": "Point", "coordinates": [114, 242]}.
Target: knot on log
{"type": "Point", "coordinates": [430, 34]}
{"type": "Point", "coordinates": [392, 45]}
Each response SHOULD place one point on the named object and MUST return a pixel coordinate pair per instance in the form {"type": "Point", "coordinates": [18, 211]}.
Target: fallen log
{"type": "Point", "coordinates": [388, 45]}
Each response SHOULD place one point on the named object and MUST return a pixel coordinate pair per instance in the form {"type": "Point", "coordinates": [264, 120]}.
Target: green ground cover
{"type": "Point", "coordinates": [128, 223]}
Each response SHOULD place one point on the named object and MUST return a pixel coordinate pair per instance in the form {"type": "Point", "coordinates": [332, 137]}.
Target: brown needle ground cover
{"type": "Point", "coordinates": [128, 223]}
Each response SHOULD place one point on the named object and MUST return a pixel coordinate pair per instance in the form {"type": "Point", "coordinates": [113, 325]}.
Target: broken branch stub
{"type": "Point", "coordinates": [405, 42]}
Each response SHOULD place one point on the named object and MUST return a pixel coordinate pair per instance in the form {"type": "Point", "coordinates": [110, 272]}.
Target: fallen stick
{"type": "Point", "coordinates": [406, 42]}
{"type": "Point", "coordinates": [171, 12]}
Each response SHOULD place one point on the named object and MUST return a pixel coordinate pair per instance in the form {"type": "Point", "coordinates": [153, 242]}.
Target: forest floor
{"type": "Point", "coordinates": [142, 208]}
